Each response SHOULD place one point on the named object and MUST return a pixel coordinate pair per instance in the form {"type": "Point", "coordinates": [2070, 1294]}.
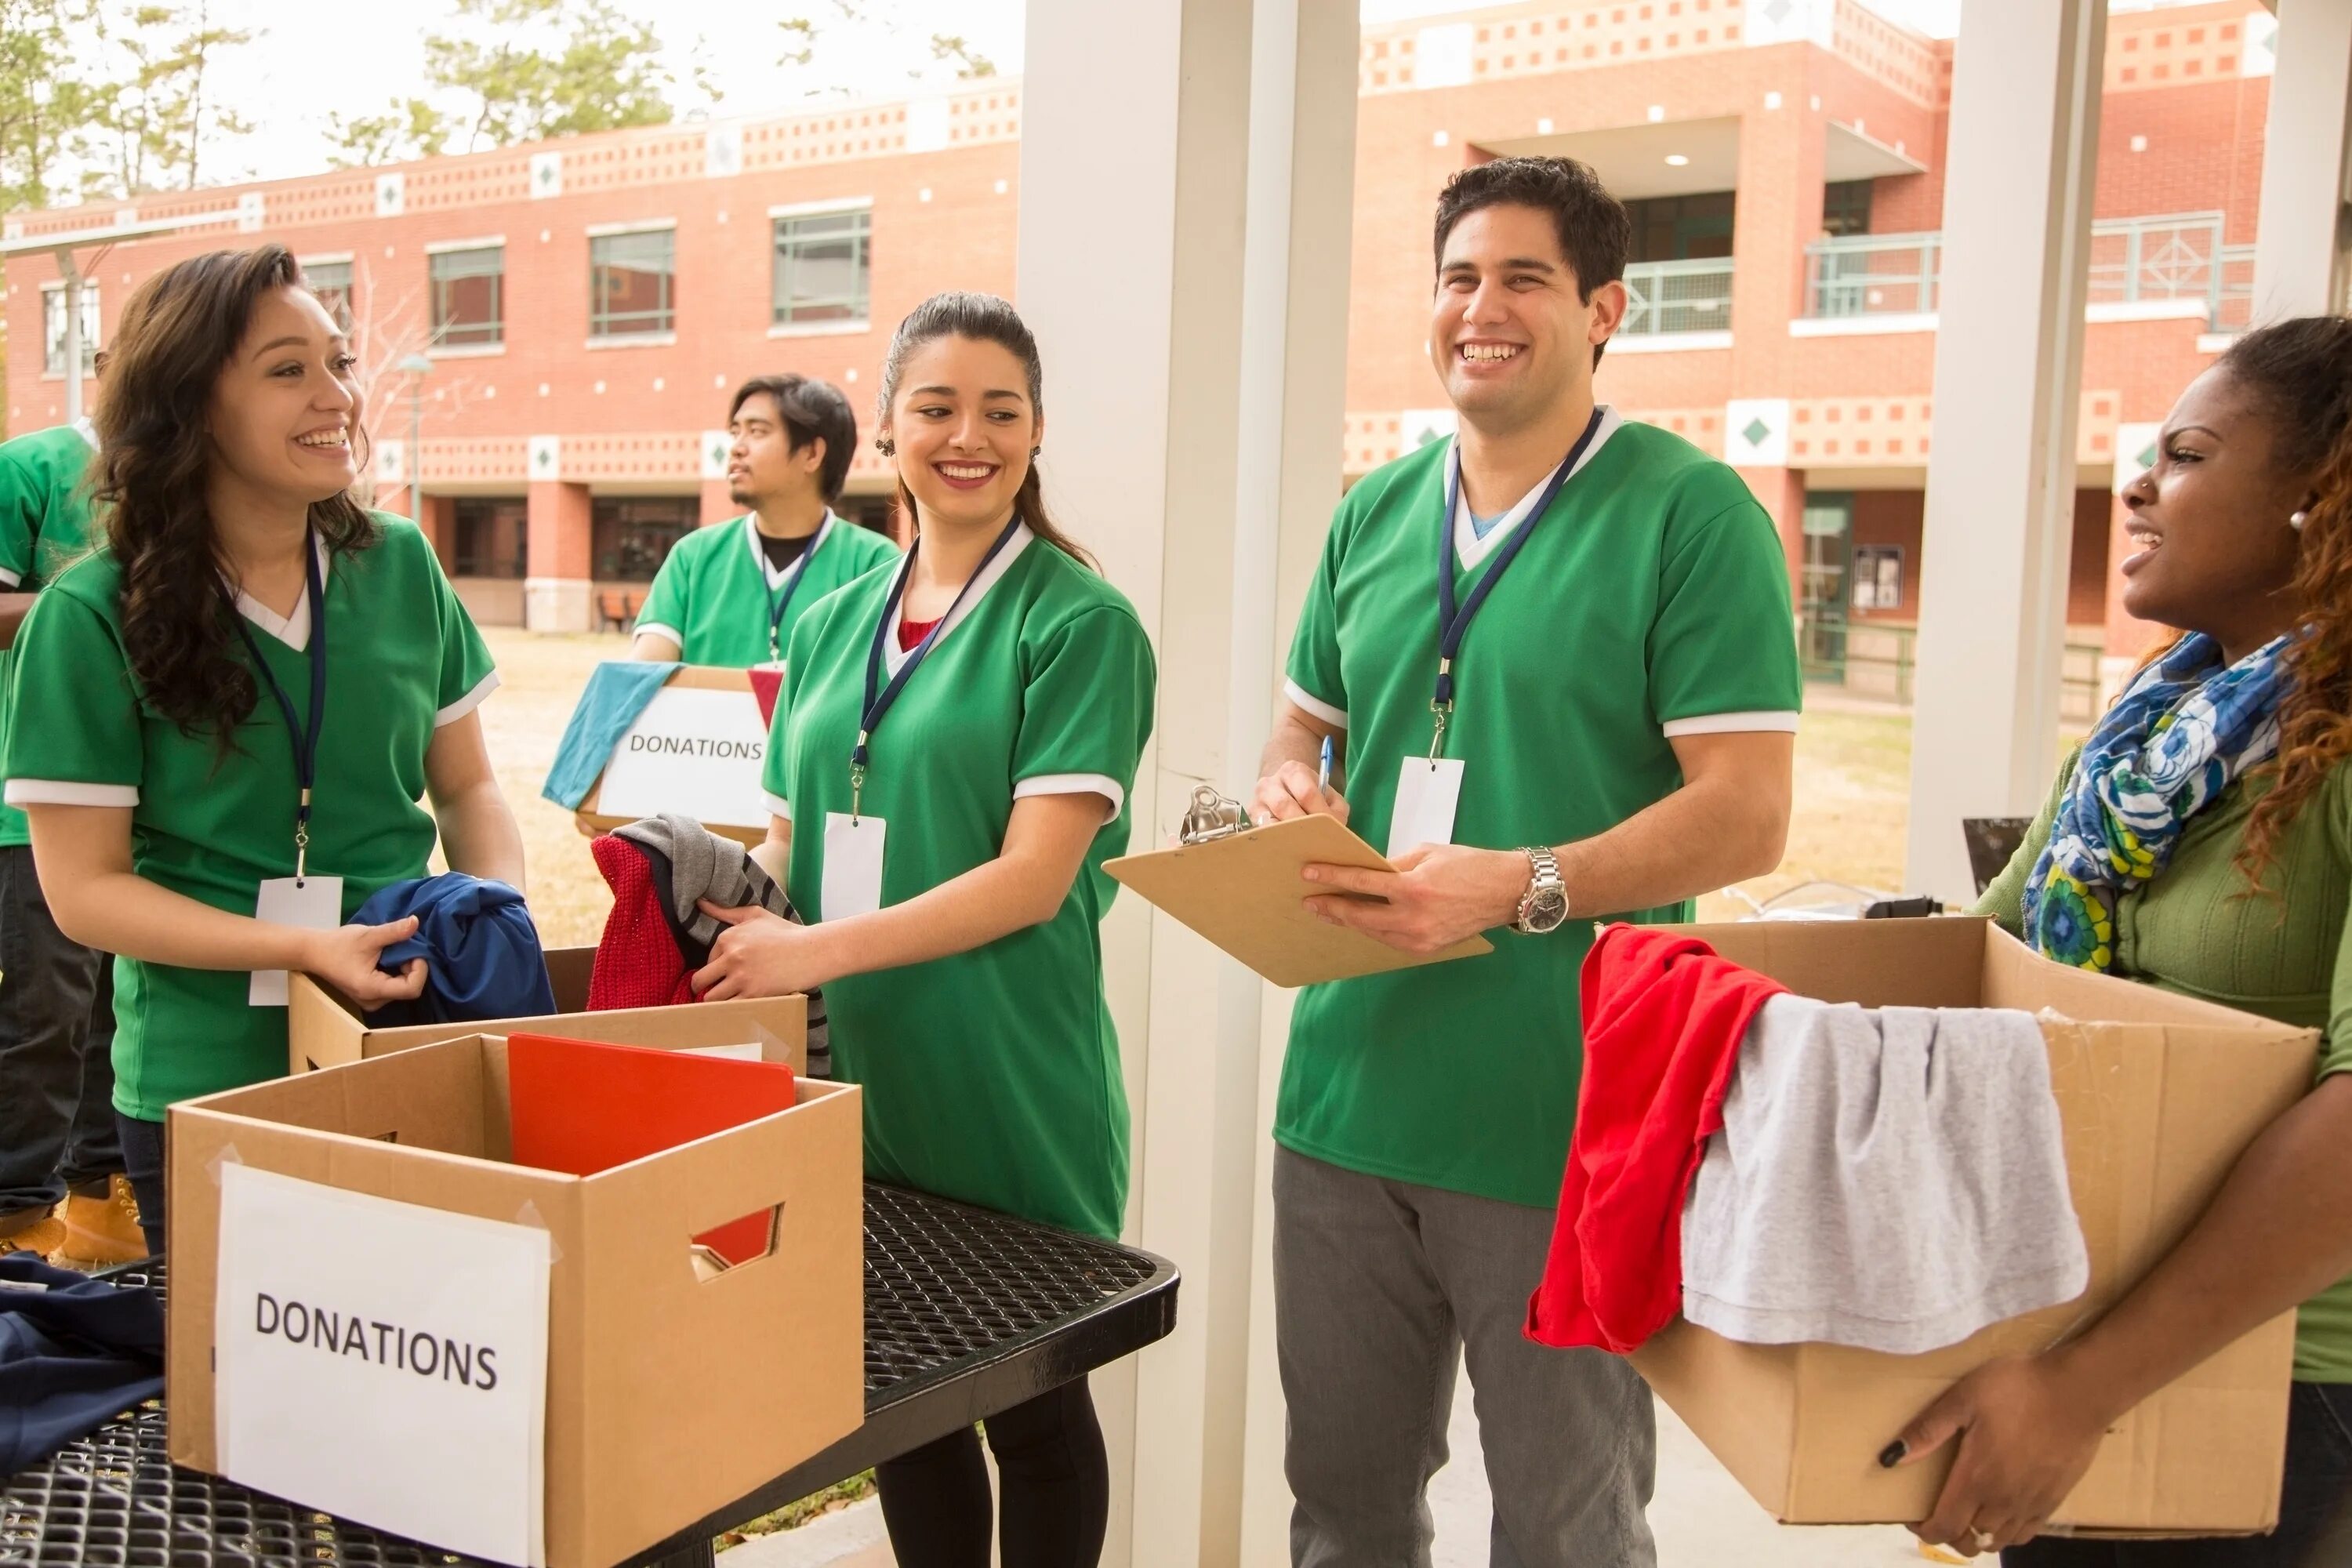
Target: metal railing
{"type": "Point", "coordinates": [1670, 297]}
{"type": "Point", "coordinates": [2133, 260]}
{"type": "Point", "coordinates": [1877, 660]}
{"type": "Point", "coordinates": [1872, 275]}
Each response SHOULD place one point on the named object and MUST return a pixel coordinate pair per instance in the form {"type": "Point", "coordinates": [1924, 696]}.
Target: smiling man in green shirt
{"type": "Point", "coordinates": [1618, 693]}
{"type": "Point", "coordinates": [730, 595]}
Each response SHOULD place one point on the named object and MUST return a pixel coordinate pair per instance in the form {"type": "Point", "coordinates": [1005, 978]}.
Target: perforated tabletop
{"type": "Point", "coordinates": [967, 1313]}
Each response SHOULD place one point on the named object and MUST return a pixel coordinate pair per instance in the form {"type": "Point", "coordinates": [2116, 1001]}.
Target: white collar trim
{"type": "Point", "coordinates": [776, 576]}
{"type": "Point", "coordinates": [87, 431]}
{"type": "Point", "coordinates": [893, 657]}
{"type": "Point", "coordinates": [293, 630]}
{"type": "Point", "coordinates": [1469, 550]}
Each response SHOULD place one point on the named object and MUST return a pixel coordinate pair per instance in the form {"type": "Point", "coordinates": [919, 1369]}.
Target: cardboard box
{"type": "Point", "coordinates": [324, 1028]}
{"type": "Point", "coordinates": [668, 1396]}
{"type": "Point", "coordinates": [2158, 1095]}
{"type": "Point", "coordinates": [746, 820]}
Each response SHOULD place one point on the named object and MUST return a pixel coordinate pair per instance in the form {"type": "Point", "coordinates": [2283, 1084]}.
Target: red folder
{"type": "Point", "coordinates": [582, 1107]}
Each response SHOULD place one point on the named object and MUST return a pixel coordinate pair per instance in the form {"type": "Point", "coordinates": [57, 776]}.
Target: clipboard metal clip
{"type": "Point", "coordinates": [1211, 817]}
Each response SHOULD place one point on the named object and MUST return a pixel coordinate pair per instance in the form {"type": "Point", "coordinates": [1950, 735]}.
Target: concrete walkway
{"type": "Point", "coordinates": [1701, 1517]}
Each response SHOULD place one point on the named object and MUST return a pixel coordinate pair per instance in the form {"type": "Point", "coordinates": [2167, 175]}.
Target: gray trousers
{"type": "Point", "coordinates": [1379, 1286]}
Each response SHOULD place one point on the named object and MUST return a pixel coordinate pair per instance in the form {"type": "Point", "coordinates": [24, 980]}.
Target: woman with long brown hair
{"type": "Point", "coordinates": [226, 717]}
{"type": "Point", "coordinates": [949, 769]}
{"type": "Point", "coordinates": [2201, 841]}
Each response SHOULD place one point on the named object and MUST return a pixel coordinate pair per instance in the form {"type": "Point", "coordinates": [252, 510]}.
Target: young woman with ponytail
{"type": "Point", "coordinates": [2201, 841]}
{"type": "Point", "coordinates": [949, 769]}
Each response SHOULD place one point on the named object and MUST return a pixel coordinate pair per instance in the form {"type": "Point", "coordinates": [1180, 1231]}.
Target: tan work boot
{"type": "Point", "coordinates": [40, 1238]}
{"type": "Point", "coordinates": [101, 1232]}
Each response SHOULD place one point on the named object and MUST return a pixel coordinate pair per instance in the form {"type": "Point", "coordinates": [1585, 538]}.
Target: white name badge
{"type": "Point", "coordinates": [350, 1380]}
{"type": "Point", "coordinates": [314, 903]}
{"type": "Point", "coordinates": [1427, 791]}
{"type": "Point", "coordinates": [853, 865]}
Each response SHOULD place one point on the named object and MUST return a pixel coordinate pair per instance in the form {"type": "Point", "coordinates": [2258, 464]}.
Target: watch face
{"type": "Point", "coordinates": [1547, 910]}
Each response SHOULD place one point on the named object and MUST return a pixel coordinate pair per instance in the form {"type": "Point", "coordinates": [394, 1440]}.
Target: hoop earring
{"type": "Point", "coordinates": [887, 447]}
{"type": "Point", "coordinates": [2297, 520]}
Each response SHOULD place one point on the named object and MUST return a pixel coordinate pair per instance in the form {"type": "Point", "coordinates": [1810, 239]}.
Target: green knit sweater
{"type": "Point", "coordinates": [2190, 930]}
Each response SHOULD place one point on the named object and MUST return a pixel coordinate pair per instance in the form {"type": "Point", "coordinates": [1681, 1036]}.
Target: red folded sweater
{"type": "Point", "coordinates": [638, 963]}
{"type": "Point", "coordinates": [1664, 1016]}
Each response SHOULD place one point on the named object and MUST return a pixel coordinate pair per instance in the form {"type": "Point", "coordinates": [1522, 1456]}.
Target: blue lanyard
{"type": "Point", "coordinates": [779, 602]}
{"type": "Point", "coordinates": [879, 698]}
{"type": "Point", "coordinates": [306, 741]}
{"type": "Point", "coordinates": [1453, 619]}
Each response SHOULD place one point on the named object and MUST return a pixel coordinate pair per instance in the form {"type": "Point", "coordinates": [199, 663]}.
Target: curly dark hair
{"type": "Point", "coordinates": [1595, 230]}
{"type": "Point", "coordinates": [2300, 373]}
{"type": "Point", "coordinates": [178, 330]}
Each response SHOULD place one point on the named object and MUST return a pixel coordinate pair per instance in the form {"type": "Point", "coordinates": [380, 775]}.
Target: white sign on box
{"type": "Point", "coordinates": [384, 1361]}
{"type": "Point", "coordinates": [693, 750]}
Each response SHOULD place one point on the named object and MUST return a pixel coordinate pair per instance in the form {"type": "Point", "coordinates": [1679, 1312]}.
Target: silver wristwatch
{"type": "Point", "coordinates": [1544, 904]}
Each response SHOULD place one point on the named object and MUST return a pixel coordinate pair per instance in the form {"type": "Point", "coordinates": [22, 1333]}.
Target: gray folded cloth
{"type": "Point", "coordinates": [1890, 1179]}
{"type": "Point", "coordinates": [702, 866]}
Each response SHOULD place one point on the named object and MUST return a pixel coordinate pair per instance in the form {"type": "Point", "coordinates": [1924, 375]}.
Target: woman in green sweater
{"type": "Point", "coordinates": [2201, 841]}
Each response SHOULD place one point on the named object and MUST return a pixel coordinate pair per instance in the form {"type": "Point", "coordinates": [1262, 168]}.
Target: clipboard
{"type": "Point", "coordinates": [591, 818]}
{"type": "Point", "coordinates": [1241, 889]}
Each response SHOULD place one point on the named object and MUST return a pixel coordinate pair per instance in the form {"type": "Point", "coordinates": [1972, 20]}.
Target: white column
{"type": "Point", "coordinates": [2000, 481]}
{"type": "Point", "coordinates": [2297, 244]}
{"type": "Point", "coordinates": [1183, 259]}
{"type": "Point", "coordinates": [72, 273]}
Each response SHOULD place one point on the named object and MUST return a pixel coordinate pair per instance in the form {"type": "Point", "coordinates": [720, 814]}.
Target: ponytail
{"type": "Point", "coordinates": [983, 318]}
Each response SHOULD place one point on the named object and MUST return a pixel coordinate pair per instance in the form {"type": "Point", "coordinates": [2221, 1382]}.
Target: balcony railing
{"type": "Point", "coordinates": [1872, 275]}
{"type": "Point", "coordinates": [1669, 297]}
{"type": "Point", "coordinates": [2137, 260]}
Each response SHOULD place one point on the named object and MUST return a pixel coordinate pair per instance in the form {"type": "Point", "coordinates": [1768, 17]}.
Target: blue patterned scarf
{"type": "Point", "coordinates": [2185, 727]}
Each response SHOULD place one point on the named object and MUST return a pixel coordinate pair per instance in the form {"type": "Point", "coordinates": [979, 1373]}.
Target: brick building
{"type": "Point", "coordinates": [584, 306]}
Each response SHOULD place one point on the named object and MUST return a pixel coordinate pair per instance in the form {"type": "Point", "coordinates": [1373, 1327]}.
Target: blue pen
{"type": "Point", "coordinates": [1323, 774]}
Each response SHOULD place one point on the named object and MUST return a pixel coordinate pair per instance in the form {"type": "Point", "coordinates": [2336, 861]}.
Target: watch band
{"type": "Point", "coordinates": [1543, 877]}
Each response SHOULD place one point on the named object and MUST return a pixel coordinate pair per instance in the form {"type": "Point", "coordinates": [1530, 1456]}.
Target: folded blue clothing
{"type": "Point", "coordinates": [75, 1353]}
{"type": "Point", "coordinates": [618, 691]}
{"type": "Point", "coordinates": [481, 952]}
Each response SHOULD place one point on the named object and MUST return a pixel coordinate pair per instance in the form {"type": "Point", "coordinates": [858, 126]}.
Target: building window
{"type": "Point", "coordinates": [632, 283]}
{"type": "Point", "coordinates": [875, 512]}
{"type": "Point", "coordinates": [469, 297]}
{"type": "Point", "coordinates": [1878, 577]}
{"type": "Point", "coordinates": [1845, 207]}
{"type": "Point", "coordinates": [493, 536]}
{"type": "Point", "coordinates": [825, 267]}
{"type": "Point", "coordinates": [633, 533]}
{"type": "Point", "coordinates": [53, 328]}
{"type": "Point", "coordinates": [1681, 229]}
{"type": "Point", "coordinates": [332, 283]}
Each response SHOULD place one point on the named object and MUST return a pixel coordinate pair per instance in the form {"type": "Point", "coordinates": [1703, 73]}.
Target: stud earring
{"type": "Point", "coordinates": [2297, 519]}
{"type": "Point", "coordinates": [887, 447]}
{"type": "Point", "coordinates": [1034, 450]}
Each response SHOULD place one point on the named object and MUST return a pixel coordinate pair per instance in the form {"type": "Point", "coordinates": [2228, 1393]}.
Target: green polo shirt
{"type": "Point", "coordinates": [2194, 931]}
{"type": "Point", "coordinates": [992, 1076]}
{"type": "Point", "coordinates": [403, 659]}
{"type": "Point", "coordinates": [715, 592]}
{"type": "Point", "coordinates": [1651, 600]}
{"type": "Point", "coordinates": [43, 523]}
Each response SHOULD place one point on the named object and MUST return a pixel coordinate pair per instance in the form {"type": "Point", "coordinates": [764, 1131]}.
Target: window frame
{"type": "Point", "coordinates": [53, 355]}
{"type": "Point", "coordinates": [658, 325]}
{"type": "Point", "coordinates": [783, 319]}
{"type": "Point", "coordinates": [479, 337]}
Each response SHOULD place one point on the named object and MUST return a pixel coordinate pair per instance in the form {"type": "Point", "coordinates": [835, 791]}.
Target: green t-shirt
{"type": "Point", "coordinates": [2191, 930]}
{"type": "Point", "coordinates": [1651, 601]}
{"type": "Point", "coordinates": [992, 1076]}
{"type": "Point", "coordinates": [716, 591]}
{"type": "Point", "coordinates": [43, 523]}
{"type": "Point", "coordinates": [403, 659]}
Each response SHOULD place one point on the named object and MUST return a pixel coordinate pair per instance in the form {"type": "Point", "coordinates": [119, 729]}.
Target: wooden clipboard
{"type": "Point", "coordinates": [1243, 893]}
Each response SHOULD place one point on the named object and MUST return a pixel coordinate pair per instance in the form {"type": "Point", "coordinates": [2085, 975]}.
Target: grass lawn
{"type": "Point", "coordinates": [1852, 776]}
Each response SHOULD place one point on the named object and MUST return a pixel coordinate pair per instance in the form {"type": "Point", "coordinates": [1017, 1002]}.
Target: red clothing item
{"type": "Point", "coordinates": [638, 963]}
{"type": "Point", "coordinates": [911, 633]}
{"type": "Point", "coordinates": [1664, 1016]}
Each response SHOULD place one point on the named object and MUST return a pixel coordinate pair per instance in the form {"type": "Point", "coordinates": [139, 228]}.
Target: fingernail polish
{"type": "Point", "coordinates": [1892, 1455]}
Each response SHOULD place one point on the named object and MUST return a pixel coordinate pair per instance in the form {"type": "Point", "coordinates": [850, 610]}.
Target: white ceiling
{"type": "Point", "coordinates": [1631, 159]}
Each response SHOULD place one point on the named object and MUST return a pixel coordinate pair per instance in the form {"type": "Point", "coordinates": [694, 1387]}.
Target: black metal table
{"type": "Point", "coordinates": [967, 1313]}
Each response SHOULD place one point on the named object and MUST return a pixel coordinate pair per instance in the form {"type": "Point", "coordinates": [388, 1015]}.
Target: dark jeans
{"type": "Point", "coordinates": [2314, 1528]}
{"type": "Point", "coordinates": [57, 1029]}
{"type": "Point", "coordinates": [143, 1161]}
{"type": "Point", "coordinates": [1056, 1477]}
